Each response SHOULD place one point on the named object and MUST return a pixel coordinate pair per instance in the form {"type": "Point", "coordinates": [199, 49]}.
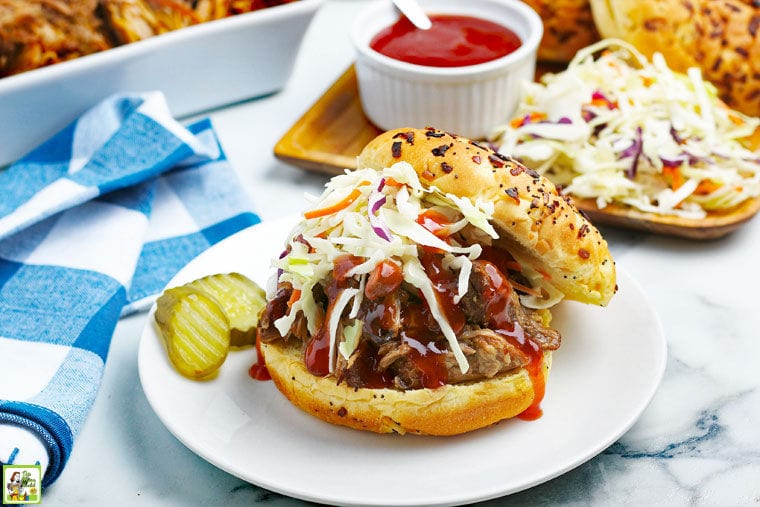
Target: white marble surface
{"type": "Point", "coordinates": [698, 443]}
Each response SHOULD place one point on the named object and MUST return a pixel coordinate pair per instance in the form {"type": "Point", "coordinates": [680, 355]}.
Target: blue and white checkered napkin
{"type": "Point", "coordinates": [93, 224]}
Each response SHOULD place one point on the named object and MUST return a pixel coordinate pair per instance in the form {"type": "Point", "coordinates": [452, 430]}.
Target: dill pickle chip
{"type": "Point", "coordinates": [195, 329]}
{"type": "Point", "coordinates": [240, 298]}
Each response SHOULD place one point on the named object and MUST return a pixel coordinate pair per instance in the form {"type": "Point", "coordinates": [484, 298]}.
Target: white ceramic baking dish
{"type": "Point", "coordinates": [198, 68]}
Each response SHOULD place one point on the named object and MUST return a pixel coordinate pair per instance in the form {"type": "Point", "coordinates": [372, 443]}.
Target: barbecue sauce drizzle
{"type": "Point", "coordinates": [275, 309]}
{"type": "Point", "coordinates": [497, 301]}
{"type": "Point", "coordinates": [420, 328]}
{"type": "Point", "coordinates": [317, 353]}
{"type": "Point", "coordinates": [258, 370]}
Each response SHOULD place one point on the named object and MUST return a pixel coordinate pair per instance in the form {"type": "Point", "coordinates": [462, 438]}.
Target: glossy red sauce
{"type": "Point", "coordinates": [420, 329]}
{"type": "Point", "coordinates": [503, 259]}
{"type": "Point", "coordinates": [366, 365]}
{"type": "Point", "coordinates": [497, 312]}
{"type": "Point", "coordinates": [435, 222]}
{"type": "Point", "coordinates": [429, 360]}
{"type": "Point", "coordinates": [258, 370]}
{"type": "Point", "coordinates": [278, 305]}
{"type": "Point", "coordinates": [418, 321]}
{"type": "Point", "coordinates": [445, 286]}
{"type": "Point", "coordinates": [380, 315]}
{"type": "Point", "coordinates": [383, 280]}
{"type": "Point", "coordinates": [317, 353]}
{"type": "Point", "coordinates": [343, 264]}
{"type": "Point", "coordinates": [452, 41]}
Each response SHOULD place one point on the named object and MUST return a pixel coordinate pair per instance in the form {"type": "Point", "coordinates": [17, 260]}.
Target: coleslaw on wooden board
{"type": "Point", "coordinates": [623, 131]}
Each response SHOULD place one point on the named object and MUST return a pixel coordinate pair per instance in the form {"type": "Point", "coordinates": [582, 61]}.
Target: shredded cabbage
{"type": "Point", "coordinates": [318, 241]}
{"type": "Point", "coordinates": [414, 273]}
{"type": "Point", "coordinates": [338, 307]}
{"type": "Point", "coordinates": [350, 341]}
{"type": "Point", "coordinates": [615, 127]}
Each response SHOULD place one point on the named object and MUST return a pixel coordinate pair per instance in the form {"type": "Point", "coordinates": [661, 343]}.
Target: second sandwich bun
{"type": "Point", "coordinates": [720, 38]}
{"type": "Point", "coordinates": [568, 27]}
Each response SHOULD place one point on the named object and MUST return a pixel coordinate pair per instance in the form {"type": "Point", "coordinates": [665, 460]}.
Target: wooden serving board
{"type": "Point", "coordinates": [330, 135]}
{"type": "Point", "coordinates": [713, 226]}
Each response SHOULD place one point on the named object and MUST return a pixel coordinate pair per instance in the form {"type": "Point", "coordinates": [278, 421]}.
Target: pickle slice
{"type": "Point", "coordinates": [195, 329]}
{"type": "Point", "coordinates": [241, 299]}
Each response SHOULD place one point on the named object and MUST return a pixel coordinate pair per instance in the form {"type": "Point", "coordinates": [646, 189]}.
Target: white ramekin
{"type": "Point", "coordinates": [469, 101]}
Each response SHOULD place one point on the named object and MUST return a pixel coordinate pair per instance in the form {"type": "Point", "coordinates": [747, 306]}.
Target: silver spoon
{"type": "Point", "coordinates": [413, 11]}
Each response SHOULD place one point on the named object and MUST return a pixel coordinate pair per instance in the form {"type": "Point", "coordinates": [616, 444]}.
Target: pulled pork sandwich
{"type": "Point", "coordinates": [414, 295]}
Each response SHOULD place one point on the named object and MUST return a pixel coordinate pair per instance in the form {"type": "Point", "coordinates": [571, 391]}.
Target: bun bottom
{"type": "Point", "coordinates": [448, 410]}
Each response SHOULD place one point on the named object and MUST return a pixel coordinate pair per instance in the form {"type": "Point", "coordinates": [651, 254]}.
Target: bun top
{"type": "Point", "coordinates": [568, 27]}
{"type": "Point", "coordinates": [720, 38]}
{"type": "Point", "coordinates": [536, 224]}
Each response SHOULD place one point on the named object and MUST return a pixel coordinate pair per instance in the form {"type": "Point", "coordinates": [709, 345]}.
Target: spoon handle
{"type": "Point", "coordinates": [412, 10]}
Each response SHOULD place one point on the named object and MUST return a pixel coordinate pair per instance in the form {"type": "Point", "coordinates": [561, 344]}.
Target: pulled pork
{"type": "Point", "coordinates": [401, 345]}
{"type": "Point", "coordinates": [37, 33]}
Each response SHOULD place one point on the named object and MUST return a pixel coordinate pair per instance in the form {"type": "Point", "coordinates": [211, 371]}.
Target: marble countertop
{"type": "Point", "coordinates": [697, 443]}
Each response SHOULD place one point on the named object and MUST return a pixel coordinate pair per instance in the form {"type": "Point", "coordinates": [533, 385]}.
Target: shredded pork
{"type": "Point", "coordinates": [389, 347]}
{"type": "Point", "coordinates": [38, 33]}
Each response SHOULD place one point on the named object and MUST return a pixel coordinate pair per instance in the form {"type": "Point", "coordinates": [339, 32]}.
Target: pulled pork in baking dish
{"type": "Point", "coordinates": [37, 33]}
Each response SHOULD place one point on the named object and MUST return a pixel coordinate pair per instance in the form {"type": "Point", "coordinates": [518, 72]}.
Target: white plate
{"type": "Point", "coordinates": [604, 375]}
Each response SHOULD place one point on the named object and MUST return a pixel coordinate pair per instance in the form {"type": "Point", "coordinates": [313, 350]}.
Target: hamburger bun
{"type": "Point", "coordinates": [534, 222]}
{"type": "Point", "coordinates": [448, 410]}
{"type": "Point", "coordinates": [720, 38]}
{"type": "Point", "coordinates": [568, 27]}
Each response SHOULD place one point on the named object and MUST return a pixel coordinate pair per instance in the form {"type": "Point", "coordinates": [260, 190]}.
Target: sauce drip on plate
{"type": "Point", "coordinates": [452, 41]}
{"type": "Point", "coordinates": [258, 370]}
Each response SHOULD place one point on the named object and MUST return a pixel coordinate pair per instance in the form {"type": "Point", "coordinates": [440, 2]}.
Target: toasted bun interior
{"type": "Point", "coordinates": [447, 410]}
{"type": "Point", "coordinates": [534, 222]}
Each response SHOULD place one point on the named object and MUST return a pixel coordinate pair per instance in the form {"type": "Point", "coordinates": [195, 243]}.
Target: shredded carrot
{"type": "Point", "coordinates": [537, 117]}
{"type": "Point", "coordinates": [295, 296]}
{"type": "Point", "coordinates": [513, 266]}
{"type": "Point", "coordinates": [524, 120]}
{"type": "Point", "coordinates": [334, 208]}
{"type": "Point", "coordinates": [393, 183]}
{"type": "Point", "coordinates": [736, 119]}
{"type": "Point", "coordinates": [546, 275]}
{"type": "Point", "coordinates": [647, 81]}
{"type": "Point", "coordinates": [706, 187]}
{"type": "Point", "coordinates": [525, 288]}
{"type": "Point", "coordinates": [601, 102]}
{"type": "Point", "coordinates": [674, 176]}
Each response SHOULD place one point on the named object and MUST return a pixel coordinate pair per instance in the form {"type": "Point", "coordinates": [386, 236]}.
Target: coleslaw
{"type": "Point", "coordinates": [618, 128]}
{"type": "Point", "coordinates": [376, 216]}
